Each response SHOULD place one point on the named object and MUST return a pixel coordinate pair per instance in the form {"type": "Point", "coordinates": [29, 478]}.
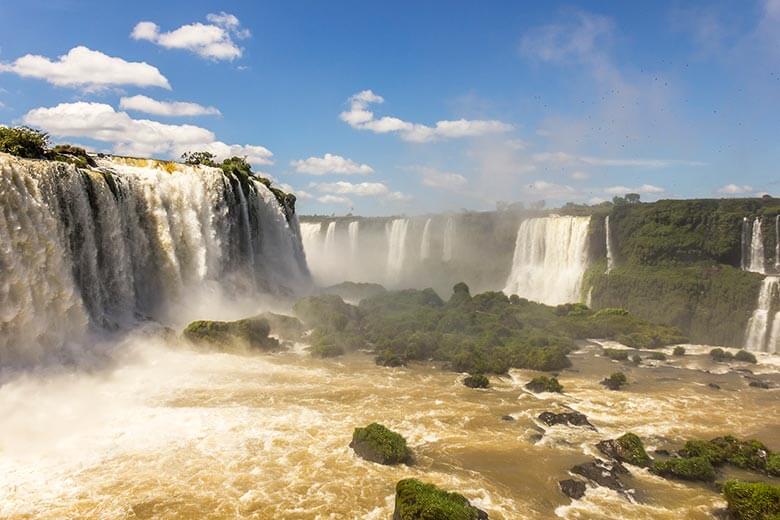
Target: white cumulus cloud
{"type": "Point", "coordinates": [334, 199]}
{"type": "Point", "coordinates": [165, 108]}
{"type": "Point", "coordinates": [141, 137]}
{"type": "Point", "coordinates": [360, 117]}
{"type": "Point", "coordinates": [361, 189]}
{"type": "Point", "coordinates": [735, 189]}
{"type": "Point", "coordinates": [214, 41]}
{"type": "Point", "coordinates": [330, 163]}
{"type": "Point", "coordinates": [645, 188]}
{"type": "Point", "coordinates": [85, 68]}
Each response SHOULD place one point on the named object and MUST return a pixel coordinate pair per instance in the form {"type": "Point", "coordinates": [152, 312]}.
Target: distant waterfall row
{"type": "Point", "coordinates": [379, 254]}
{"type": "Point", "coordinates": [103, 247]}
{"type": "Point", "coordinates": [551, 256]}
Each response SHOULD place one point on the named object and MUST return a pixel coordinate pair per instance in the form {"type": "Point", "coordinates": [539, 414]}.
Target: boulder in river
{"type": "Point", "coordinates": [615, 381]}
{"type": "Point", "coordinates": [603, 473]}
{"type": "Point", "coordinates": [573, 488]}
{"type": "Point", "coordinates": [476, 381]}
{"type": "Point", "coordinates": [544, 384]}
{"type": "Point", "coordinates": [376, 443]}
{"type": "Point", "coordinates": [627, 448]}
{"type": "Point", "coordinates": [568, 418]}
{"type": "Point", "coordinates": [251, 333]}
{"type": "Point", "coordinates": [416, 500]}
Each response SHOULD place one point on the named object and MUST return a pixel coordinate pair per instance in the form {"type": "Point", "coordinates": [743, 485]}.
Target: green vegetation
{"type": "Point", "coordinates": [196, 158]}
{"type": "Point", "coordinates": [378, 444]}
{"type": "Point", "coordinates": [544, 384]}
{"type": "Point", "coordinates": [354, 291]}
{"type": "Point", "coordinates": [748, 454]}
{"type": "Point", "coordinates": [709, 303]}
{"type": "Point", "coordinates": [685, 468]}
{"type": "Point", "coordinates": [286, 327]}
{"type": "Point", "coordinates": [24, 142]}
{"type": "Point", "coordinates": [485, 333]}
{"type": "Point", "coordinates": [636, 359]}
{"type": "Point", "coordinates": [658, 356]}
{"type": "Point", "coordinates": [416, 500]}
{"type": "Point", "coordinates": [617, 354]}
{"type": "Point", "coordinates": [721, 356]}
{"type": "Point", "coordinates": [249, 332]}
{"type": "Point", "coordinates": [615, 381]}
{"type": "Point", "coordinates": [773, 464]}
{"type": "Point", "coordinates": [476, 381]}
{"type": "Point", "coordinates": [752, 500]}
{"type": "Point", "coordinates": [679, 351]}
{"type": "Point", "coordinates": [626, 448]}
{"type": "Point", "coordinates": [745, 356]}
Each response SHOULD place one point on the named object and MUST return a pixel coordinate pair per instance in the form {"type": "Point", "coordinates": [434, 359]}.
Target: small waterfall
{"type": "Point", "coordinates": [353, 229]}
{"type": "Point", "coordinates": [329, 246]}
{"type": "Point", "coordinates": [99, 248]}
{"type": "Point", "coordinates": [753, 249]}
{"type": "Point", "coordinates": [396, 248]}
{"type": "Point", "coordinates": [758, 337]}
{"type": "Point", "coordinates": [448, 240]}
{"type": "Point", "coordinates": [550, 259]}
{"type": "Point", "coordinates": [610, 256]}
{"type": "Point", "coordinates": [425, 242]}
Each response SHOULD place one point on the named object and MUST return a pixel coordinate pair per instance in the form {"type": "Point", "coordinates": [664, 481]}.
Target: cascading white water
{"type": "Point", "coordinates": [353, 230]}
{"type": "Point", "coordinates": [448, 240]}
{"type": "Point", "coordinates": [107, 245]}
{"type": "Point", "coordinates": [753, 250]}
{"type": "Point", "coordinates": [762, 334]}
{"type": "Point", "coordinates": [550, 259]}
{"type": "Point", "coordinates": [396, 248]}
{"type": "Point", "coordinates": [425, 241]}
{"type": "Point", "coordinates": [610, 256]}
{"type": "Point", "coordinates": [329, 246]}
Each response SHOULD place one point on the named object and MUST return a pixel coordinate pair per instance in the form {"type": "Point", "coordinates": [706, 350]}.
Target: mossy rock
{"type": "Point", "coordinates": [286, 327]}
{"type": "Point", "coordinates": [616, 354]}
{"type": "Point", "coordinates": [250, 333]}
{"type": "Point", "coordinates": [685, 468]}
{"type": "Point", "coordinates": [416, 500]}
{"type": "Point", "coordinates": [719, 355]}
{"type": "Point", "coordinates": [326, 350]}
{"type": "Point", "coordinates": [746, 454]}
{"type": "Point", "coordinates": [627, 448]}
{"type": "Point", "coordinates": [615, 381]}
{"type": "Point", "coordinates": [752, 500]}
{"type": "Point", "coordinates": [476, 381]}
{"type": "Point", "coordinates": [745, 357]}
{"type": "Point", "coordinates": [376, 443]}
{"type": "Point", "coordinates": [678, 351]}
{"type": "Point", "coordinates": [544, 384]}
{"type": "Point", "coordinates": [387, 358]}
{"type": "Point", "coordinates": [658, 356]}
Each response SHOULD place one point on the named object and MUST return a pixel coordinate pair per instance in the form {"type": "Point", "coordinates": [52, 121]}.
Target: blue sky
{"type": "Point", "coordinates": [409, 107]}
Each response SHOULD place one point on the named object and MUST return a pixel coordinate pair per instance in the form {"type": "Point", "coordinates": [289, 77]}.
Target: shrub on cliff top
{"type": "Point", "coordinates": [24, 142]}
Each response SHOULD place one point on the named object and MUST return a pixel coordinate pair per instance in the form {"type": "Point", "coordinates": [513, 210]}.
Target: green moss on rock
{"type": "Point", "coordinates": [752, 500]}
{"type": "Point", "coordinates": [678, 351]}
{"type": "Point", "coordinates": [376, 443]}
{"type": "Point", "coordinates": [686, 468]}
{"type": "Point", "coordinates": [616, 354]}
{"type": "Point", "coordinates": [416, 500]}
{"type": "Point", "coordinates": [627, 448]}
{"type": "Point", "coordinates": [544, 384]}
{"type": "Point", "coordinates": [476, 381]}
{"type": "Point", "coordinates": [615, 381]}
{"type": "Point", "coordinates": [249, 333]}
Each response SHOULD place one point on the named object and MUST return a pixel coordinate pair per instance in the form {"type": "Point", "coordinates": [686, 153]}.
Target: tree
{"type": "Point", "coordinates": [23, 141]}
{"type": "Point", "coordinates": [204, 158]}
{"type": "Point", "coordinates": [632, 198]}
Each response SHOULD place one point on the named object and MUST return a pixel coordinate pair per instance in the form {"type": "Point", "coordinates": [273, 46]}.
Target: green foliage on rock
{"type": "Point", "coordinates": [286, 327]}
{"type": "Point", "coordinates": [483, 333]}
{"type": "Point", "coordinates": [616, 354]}
{"type": "Point", "coordinates": [678, 351]}
{"type": "Point", "coordinates": [544, 384]}
{"type": "Point", "coordinates": [747, 454]}
{"type": "Point", "coordinates": [658, 356]}
{"type": "Point", "coordinates": [250, 332]}
{"type": "Point", "coordinates": [685, 468]}
{"type": "Point", "coordinates": [476, 381]}
{"type": "Point", "coordinates": [709, 303]}
{"type": "Point", "coordinates": [745, 357]}
{"type": "Point", "coordinates": [615, 381]}
{"type": "Point", "coordinates": [199, 158]}
{"type": "Point", "coordinates": [377, 443]}
{"type": "Point", "coordinates": [71, 154]}
{"type": "Point", "coordinates": [416, 500]}
{"type": "Point", "coordinates": [773, 464]}
{"type": "Point", "coordinates": [752, 500]}
{"type": "Point", "coordinates": [627, 448]}
{"type": "Point", "coordinates": [24, 142]}
{"type": "Point", "coordinates": [354, 291]}
{"type": "Point", "coordinates": [721, 356]}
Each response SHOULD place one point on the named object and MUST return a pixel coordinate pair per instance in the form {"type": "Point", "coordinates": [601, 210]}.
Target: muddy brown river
{"type": "Point", "coordinates": [170, 433]}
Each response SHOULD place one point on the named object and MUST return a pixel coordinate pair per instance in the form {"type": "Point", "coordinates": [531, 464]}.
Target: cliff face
{"type": "Point", "coordinates": [678, 262]}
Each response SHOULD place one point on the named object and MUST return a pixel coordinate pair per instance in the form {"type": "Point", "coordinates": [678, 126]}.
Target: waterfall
{"type": "Point", "coordinates": [610, 257]}
{"type": "Point", "coordinates": [396, 248]}
{"type": "Point", "coordinates": [448, 239]}
{"type": "Point", "coordinates": [329, 246]}
{"type": "Point", "coordinates": [753, 250]}
{"type": "Point", "coordinates": [425, 242]}
{"type": "Point", "coordinates": [84, 249]}
{"type": "Point", "coordinates": [352, 230]}
{"type": "Point", "coordinates": [550, 259]}
{"type": "Point", "coordinates": [758, 337]}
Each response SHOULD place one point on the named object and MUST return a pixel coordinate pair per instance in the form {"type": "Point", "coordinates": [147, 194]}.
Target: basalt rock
{"type": "Point", "coordinates": [627, 448]}
{"type": "Point", "coordinates": [573, 488]}
{"type": "Point", "coordinates": [376, 443]}
{"type": "Point", "coordinates": [568, 418]}
{"type": "Point", "coordinates": [603, 473]}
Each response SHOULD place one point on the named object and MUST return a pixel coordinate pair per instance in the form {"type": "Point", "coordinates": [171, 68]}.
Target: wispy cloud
{"type": "Point", "coordinates": [435, 178]}
{"type": "Point", "coordinates": [213, 41]}
{"type": "Point", "coordinates": [570, 159]}
{"type": "Point", "coordinates": [735, 189]}
{"type": "Point", "coordinates": [360, 189]}
{"type": "Point", "coordinates": [84, 68]}
{"type": "Point", "coordinates": [360, 117]}
{"type": "Point", "coordinates": [166, 108]}
{"type": "Point", "coordinates": [330, 164]}
{"type": "Point", "coordinates": [645, 188]}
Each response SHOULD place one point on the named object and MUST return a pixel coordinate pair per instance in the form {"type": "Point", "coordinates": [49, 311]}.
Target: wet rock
{"type": "Point", "coordinates": [416, 500]}
{"type": "Point", "coordinates": [569, 418]}
{"type": "Point", "coordinates": [476, 381]}
{"type": "Point", "coordinates": [615, 381]}
{"type": "Point", "coordinates": [572, 488]}
{"type": "Point", "coordinates": [376, 443]}
{"type": "Point", "coordinates": [714, 386]}
{"type": "Point", "coordinates": [251, 333]}
{"type": "Point", "coordinates": [507, 418]}
{"type": "Point", "coordinates": [627, 448]}
{"type": "Point", "coordinates": [662, 453]}
{"type": "Point", "coordinates": [759, 384]}
{"type": "Point", "coordinates": [544, 384]}
{"type": "Point", "coordinates": [603, 473]}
